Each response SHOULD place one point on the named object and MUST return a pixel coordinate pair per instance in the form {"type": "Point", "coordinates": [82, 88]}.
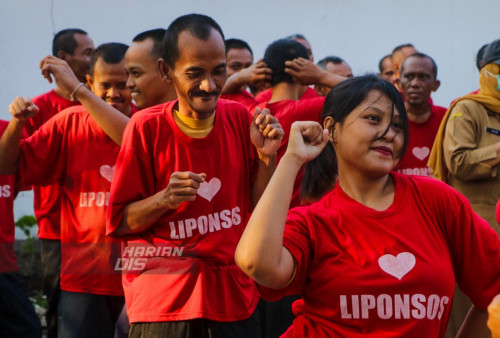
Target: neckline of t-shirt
{"type": "Point", "coordinates": [393, 208]}
{"type": "Point", "coordinates": [183, 138]}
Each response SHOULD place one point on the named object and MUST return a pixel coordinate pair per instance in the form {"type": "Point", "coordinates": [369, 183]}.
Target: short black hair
{"type": "Point", "coordinates": [157, 36]}
{"type": "Point", "coordinates": [237, 44]}
{"type": "Point", "coordinates": [330, 59]}
{"type": "Point", "coordinates": [381, 62]}
{"type": "Point", "coordinates": [296, 36]}
{"type": "Point", "coordinates": [400, 47]}
{"type": "Point", "coordinates": [112, 53]}
{"type": "Point", "coordinates": [198, 25]}
{"type": "Point", "coordinates": [422, 56]}
{"type": "Point", "coordinates": [65, 40]}
{"type": "Point", "coordinates": [280, 51]}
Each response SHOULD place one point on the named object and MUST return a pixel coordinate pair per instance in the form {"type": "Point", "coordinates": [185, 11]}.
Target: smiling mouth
{"type": "Point", "coordinates": [383, 150]}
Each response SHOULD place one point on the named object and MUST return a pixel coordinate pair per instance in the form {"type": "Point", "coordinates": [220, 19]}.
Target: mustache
{"type": "Point", "coordinates": [202, 93]}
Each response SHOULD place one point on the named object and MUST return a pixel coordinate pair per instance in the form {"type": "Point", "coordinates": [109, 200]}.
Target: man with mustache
{"type": "Point", "coordinates": [418, 80]}
{"type": "Point", "coordinates": [73, 150]}
{"type": "Point", "coordinates": [186, 178]}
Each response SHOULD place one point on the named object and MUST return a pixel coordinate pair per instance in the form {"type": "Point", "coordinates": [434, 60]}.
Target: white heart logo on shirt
{"type": "Point", "coordinates": [397, 266]}
{"type": "Point", "coordinates": [208, 190]}
{"type": "Point", "coordinates": [420, 153]}
{"type": "Point", "coordinates": [107, 171]}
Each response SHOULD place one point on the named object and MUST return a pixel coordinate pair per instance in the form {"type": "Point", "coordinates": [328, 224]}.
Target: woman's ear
{"type": "Point", "coordinates": [329, 124]}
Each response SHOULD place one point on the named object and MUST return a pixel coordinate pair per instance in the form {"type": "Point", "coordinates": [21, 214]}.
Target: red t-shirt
{"type": "Point", "coordinates": [388, 273]}
{"type": "Point", "coordinates": [8, 261]}
{"type": "Point", "coordinates": [420, 143]}
{"type": "Point", "coordinates": [265, 95]}
{"type": "Point", "coordinates": [287, 112]}
{"type": "Point", "coordinates": [182, 267]}
{"type": "Point", "coordinates": [72, 150]}
{"type": "Point", "coordinates": [46, 202]}
{"type": "Point", "coordinates": [243, 97]}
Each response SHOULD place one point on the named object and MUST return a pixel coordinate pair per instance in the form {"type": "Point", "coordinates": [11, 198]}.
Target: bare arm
{"type": "Point", "coordinates": [474, 324]}
{"type": "Point", "coordinates": [260, 252]}
{"type": "Point", "coordinates": [21, 109]}
{"type": "Point", "coordinates": [254, 75]}
{"type": "Point", "coordinates": [140, 215]}
{"type": "Point", "coordinates": [109, 119]}
{"type": "Point", "coordinates": [305, 72]}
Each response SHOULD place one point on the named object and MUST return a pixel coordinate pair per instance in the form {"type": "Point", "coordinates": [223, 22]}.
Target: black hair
{"type": "Point", "coordinates": [321, 173]}
{"type": "Point", "coordinates": [112, 53]}
{"type": "Point", "coordinates": [400, 47]}
{"type": "Point", "coordinates": [296, 36]}
{"type": "Point", "coordinates": [65, 40]}
{"type": "Point", "coordinates": [157, 36]}
{"type": "Point", "coordinates": [237, 44]}
{"type": "Point", "coordinates": [280, 51]}
{"type": "Point", "coordinates": [422, 56]}
{"type": "Point", "coordinates": [330, 59]}
{"type": "Point", "coordinates": [381, 62]}
{"type": "Point", "coordinates": [198, 25]}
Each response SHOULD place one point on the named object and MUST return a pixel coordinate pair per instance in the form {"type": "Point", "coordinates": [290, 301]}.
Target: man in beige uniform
{"type": "Point", "coordinates": [466, 154]}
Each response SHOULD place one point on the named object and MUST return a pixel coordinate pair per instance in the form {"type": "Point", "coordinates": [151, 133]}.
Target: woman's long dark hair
{"type": "Point", "coordinates": [321, 173]}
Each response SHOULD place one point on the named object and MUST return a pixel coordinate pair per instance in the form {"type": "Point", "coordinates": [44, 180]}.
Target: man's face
{"type": "Point", "coordinates": [398, 58]}
{"type": "Point", "coordinates": [387, 70]}
{"type": "Point", "coordinates": [238, 59]}
{"type": "Point", "coordinates": [342, 69]}
{"type": "Point", "coordinates": [79, 61]}
{"type": "Point", "coordinates": [417, 81]}
{"type": "Point", "coordinates": [110, 84]}
{"type": "Point", "coordinates": [306, 44]}
{"type": "Point", "coordinates": [199, 73]}
{"type": "Point", "coordinates": [144, 80]}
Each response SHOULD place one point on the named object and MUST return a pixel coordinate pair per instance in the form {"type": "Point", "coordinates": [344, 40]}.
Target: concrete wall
{"type": "Point", "coordinates": [360, 31]}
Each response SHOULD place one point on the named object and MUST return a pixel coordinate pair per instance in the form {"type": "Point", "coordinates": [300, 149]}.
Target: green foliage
{"type": "Point", "coordinates": [40, 299]}
{"type": "Point", "coordinates": [26, 223]}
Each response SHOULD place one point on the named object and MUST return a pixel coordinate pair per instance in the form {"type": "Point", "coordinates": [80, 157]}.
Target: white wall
{"type": "Point", "coordinates": [360, 31]}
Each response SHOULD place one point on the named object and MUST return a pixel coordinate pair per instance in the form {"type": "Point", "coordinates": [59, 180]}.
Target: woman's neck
{"type": "Point", "coordinates": [374, 192]}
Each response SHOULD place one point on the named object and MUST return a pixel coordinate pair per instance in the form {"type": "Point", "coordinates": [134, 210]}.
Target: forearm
{"type": "Point", "coordinates": [266, 168]}
{"type": "Point", "coordinates": [474, 324]}
{"type": "Point", "coordinates": [108, 118]}
{"type": "Point", "coordinates": [233, 84]}
{"type": "Point", "coordinates": [9, 147]}
{"type": "Point", "coordinates": [141, 215]}
{"type": "Point", "coordinates": [470, 164]}
{"type": "Point", "coordinates": [260, 252]}
{"type": "Point", "coordinates": [330, 80]}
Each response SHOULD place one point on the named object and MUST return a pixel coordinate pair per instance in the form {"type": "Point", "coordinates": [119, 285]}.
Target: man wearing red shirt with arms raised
{"type": "Point", "coordinates": [186, 178]}
{"type": "Point", "coordinates": [73, 150]}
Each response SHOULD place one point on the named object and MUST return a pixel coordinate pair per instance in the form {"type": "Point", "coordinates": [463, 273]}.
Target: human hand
{"type": "Point", "coordinates": [265, 132]}
{"type": "Point", "coordinates": [306, 141]}
{"type": "Point", "coordinates": [182, 187]}
{"type": "Point", "coordinates": [494, 317]}
{"type": "Point", "coordinates": [304, 71]}
{"type": "Point", "coordinates": [22, 108]}
{"type": "Point", "coordinates": [66, 80]}
{"type": "Point", "coordinates": [257, 74]}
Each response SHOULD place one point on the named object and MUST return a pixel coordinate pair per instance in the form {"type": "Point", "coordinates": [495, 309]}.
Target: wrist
{"type": "Point", "coordinates": [266, 158]}
{"type": "Point", "coordinates": [73, 95]}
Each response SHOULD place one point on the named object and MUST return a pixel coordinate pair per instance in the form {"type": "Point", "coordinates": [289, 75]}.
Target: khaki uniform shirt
{"type": "Point", "coordinates": [467, 144]}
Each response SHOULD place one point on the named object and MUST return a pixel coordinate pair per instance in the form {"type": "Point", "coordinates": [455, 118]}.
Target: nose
{"type": "Point", "coordinates": [113, 92]}
{"type": "Point", "coordinates": [208, 84]}
{"type": "Point", "coordinates": [130, 82]}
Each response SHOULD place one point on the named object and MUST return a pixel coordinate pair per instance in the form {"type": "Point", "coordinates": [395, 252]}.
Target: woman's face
{"type": "Point", "coordinates": [358, 140]}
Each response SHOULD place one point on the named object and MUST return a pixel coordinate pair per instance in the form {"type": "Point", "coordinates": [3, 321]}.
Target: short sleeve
{"type": "Point", "coordinates": [475, 251]}
{"type": "Point", "coordinates": [133, 179]}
